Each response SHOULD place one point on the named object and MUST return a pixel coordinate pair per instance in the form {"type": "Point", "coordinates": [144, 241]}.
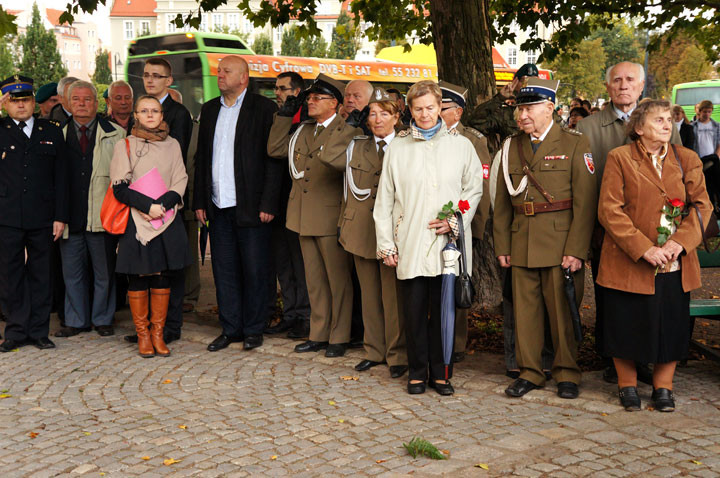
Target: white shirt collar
{"type": "Point", "coordinates": [238, 100]}
{"type": "Point", "coordinates": [620, 114]}
{"type": "Point", "coordinates": [28, 123]}
{"type": "Point", "coordinates": [327, 122]}
{"type": "Point", "coordinates": [387, 138]}
{"type": "Point", "coordinates": [162, 100]}
{"type": "Point", "coordinates": [542, 137]}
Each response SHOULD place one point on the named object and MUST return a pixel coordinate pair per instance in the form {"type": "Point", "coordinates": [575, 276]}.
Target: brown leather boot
{"type": "Point", "coordinates": [139, 308]}
{"type": "Point", "coordinates": [159, 300]}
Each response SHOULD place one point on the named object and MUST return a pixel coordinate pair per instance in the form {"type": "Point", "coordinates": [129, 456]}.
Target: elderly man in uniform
{"type": "Point", "coordinates": [33, 198]}
{"type": "Point", "coordinates": [606, 131]}
{"type": "Point", "coordinates": [314, 208]}
{"type": "Point", "coordinates": [46, 98]}
{"type": "Point", "coordinates": [545, 210]}
{"type": "Point", "coordinates": [453, 104]}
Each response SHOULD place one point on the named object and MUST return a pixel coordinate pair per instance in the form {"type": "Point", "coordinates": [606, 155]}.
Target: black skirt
{"type": "Point", "coordinates": [648, 328]}
{"type": "Point", "coordinates": [167, 252]}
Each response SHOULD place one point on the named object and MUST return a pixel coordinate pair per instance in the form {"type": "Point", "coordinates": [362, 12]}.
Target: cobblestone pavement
{"type": "Point", "coordinates": [93, 407]}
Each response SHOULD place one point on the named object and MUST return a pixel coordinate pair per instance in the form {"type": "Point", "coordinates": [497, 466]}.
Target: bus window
{"type": "Point", "coordinates": [693, 96]}
{"type": "Point", "coordinates": [146, 46]}
{"type": "Point", "coordinates": [224, 43]}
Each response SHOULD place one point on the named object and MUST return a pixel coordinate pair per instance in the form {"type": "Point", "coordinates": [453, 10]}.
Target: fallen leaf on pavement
{"type": "Point", "coordinates": [482, 465]}
{"type": "Point", "coordinates": [696, 462]}
{"type": "Point", "coordinates": [182, 427]}
{"type": "Point", "coordinates": [167, 381]}
{"type": "Point", "coordinates": [32, 434]}
{"type": "Point", "coordinates": [5, 395]}
{"type": "Point", "coordinates": [380, 461]}
{"type": "Point", "coordinates": [447, 452]}
{"type": "Point", "coordinates": [586, 306]}
{"type": "Point", "coordinates": [341, 421]}
{"type": "Point", "coordinates": [87, 434]}
{"type": "Point", "coordinates": [145, 458]}
{"type": "Point", "coordinates": [274, 457]}
{"type": "Point", "coordinates": [350, 377]}
{"type": "Point", "coordinates": [170, 461]}
{"type": "Point", "coordinates": [331, 402]}
{"type": "Point", "coordinates": [604, 414]}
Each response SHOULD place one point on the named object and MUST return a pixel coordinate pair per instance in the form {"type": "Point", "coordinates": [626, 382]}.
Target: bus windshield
{"type": "Point", "coordinates": [693, 96]}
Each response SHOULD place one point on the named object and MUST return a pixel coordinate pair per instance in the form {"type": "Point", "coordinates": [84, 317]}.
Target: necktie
{"type": "Point", "coordinates": [21, 125]}
{"type": "Point", "coordinates": [83, 139]}
{"type": "Point", "coordinates": [381, 149]}
{"type": "Point", "coordinates": [319, 130]}
{"type": "Point", "coordinates": [535, 143]}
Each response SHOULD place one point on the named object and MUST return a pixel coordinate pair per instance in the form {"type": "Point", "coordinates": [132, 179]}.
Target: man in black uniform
{"type": "Point", "coordinates": [33, 198]}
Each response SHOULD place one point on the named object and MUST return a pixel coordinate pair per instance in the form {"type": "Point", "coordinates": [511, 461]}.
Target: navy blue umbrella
{"type": "Point", "coordinates": [450, 255]}
{"type": "Point", "coordinates": [203, 242]}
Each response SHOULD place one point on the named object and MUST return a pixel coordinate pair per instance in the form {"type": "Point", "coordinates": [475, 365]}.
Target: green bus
{"type": "Point", "coordinates": [187, 53]}
{"type": "Point", "coordinates": [688, 95]}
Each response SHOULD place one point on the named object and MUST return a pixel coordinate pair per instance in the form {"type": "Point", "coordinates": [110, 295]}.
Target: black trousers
{"type": "Point", "coordinates": [599, 307]}
{"type": "Point", "coordinates": [25, 286]}
{"type": "Point", "coordinates": [419, 296]}
{"type": "Point", "coordinates": [290, 271]}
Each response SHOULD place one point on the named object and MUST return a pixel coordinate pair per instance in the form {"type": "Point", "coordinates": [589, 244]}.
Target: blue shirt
{"type": "Point", "coordinates": [223, 160]}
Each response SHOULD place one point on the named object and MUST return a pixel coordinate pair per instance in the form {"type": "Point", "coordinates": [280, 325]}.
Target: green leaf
{"type": "Point", "coordinates": [420, 446]}
{"type": "Point", "coordinates": [662, 239]}
{"type": "Point", "coordinates": [664, 230]}
{"type": "Point", "coordinates": [7, 23]}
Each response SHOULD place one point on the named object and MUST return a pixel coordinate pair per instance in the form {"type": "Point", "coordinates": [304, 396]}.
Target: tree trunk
{"type": "Point", "coordinates": [461, 31]}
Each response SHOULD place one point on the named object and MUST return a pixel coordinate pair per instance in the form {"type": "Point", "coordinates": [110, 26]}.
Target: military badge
{"type": "Point", "coordinates": [552, 158]}
{"type": "Point", "coordinates": [486, 171]}
{"type": "Point", "coordinates": [589, 164]}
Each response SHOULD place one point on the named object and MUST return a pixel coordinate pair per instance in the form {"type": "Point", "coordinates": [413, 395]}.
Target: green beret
{"type": "Point", "coordinates": [105, 93]}
{"type": "Point", "coordinates": [45, 92]}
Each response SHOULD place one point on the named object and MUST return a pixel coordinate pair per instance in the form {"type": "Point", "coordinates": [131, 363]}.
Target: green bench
{"type": "Point", "coordinates": [706, 308]}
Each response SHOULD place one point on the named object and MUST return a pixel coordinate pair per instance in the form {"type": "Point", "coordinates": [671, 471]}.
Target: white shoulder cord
{"type": "Point", "coordinates": [349, 182]}
{"type": "Point", "coordinates": [291, 163]}
{"type": "Point", "coordinates": [508, 182]}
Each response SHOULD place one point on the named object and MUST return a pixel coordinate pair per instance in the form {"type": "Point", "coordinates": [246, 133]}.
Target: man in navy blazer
{"type": "Point", "coordinates": [237, 189]}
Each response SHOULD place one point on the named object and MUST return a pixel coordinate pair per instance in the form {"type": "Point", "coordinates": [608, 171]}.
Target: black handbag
{"type": "Point", "coordinates": [464, 290]}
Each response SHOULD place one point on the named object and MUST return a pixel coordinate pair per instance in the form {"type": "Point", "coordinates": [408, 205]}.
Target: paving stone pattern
{"type": "Point", "coordinates": [93, 407]}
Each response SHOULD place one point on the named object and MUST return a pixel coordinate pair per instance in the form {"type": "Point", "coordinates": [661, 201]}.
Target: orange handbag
{"type": "Point", "coordinates": [113, 213]}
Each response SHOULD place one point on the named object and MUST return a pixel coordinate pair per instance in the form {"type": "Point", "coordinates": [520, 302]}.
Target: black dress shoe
{"type": "Point", "coordinates": [131, 338]}
{"type": "Point", "coordinates": [222, 342]}
{"type": "Point", "coordinates": [663, 400]}
{"type": "Point", "coordinates": [43, 343]}
{"type": "Point", "coordinates": [355, 343]}
{"type": "Point", "coordinates": [335, 350]}
{"type": "Point", "coordinates": [252, 342]}
{"type": "Point", "coordinates": [520, 387]}
{"type": "Point", "coordinates": [105, 330]}
{"type": "Point", "coordinates": [9, 345]}
{"type": "Point", "coordinates": [442, 388]}
{"type": "Point", "coordinates": [300, 329]}
{"type": "Point", "coordinates": [458, 357]}
{"type": "Point", "coordinates": [397, 371]}
{"type": "Point", "coordinates": [610, 374]}
{"type": "Point", "coordinates": [170, 336]}
{"type": "Point", "coordinates": [630, 399]}
{"type": "Point", "coordinates": [644, 374]}
{"type": "Point", "coordinates": [513, 374]}
{"type": "Point", "coordinates": [310, 346]}
{"type": "Point", "coordinates": [416, 388]}
{"type": "Point", "coordinates": [366, 365]}
{"type": "Point", "coordinates": [567, 390]}
{"type": "Point", "coordinates": [280, 327]}
{"type": "Point", "coordinates": [71, 331]}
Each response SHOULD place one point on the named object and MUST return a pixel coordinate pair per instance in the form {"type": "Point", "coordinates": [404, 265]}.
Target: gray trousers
{"type": "Point", "coordinates": [81, 253]}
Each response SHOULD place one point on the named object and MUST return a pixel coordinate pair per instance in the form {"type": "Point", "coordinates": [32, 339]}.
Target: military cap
{"type": "Point", "coordinates": [453, 93]}
{"type": "Point", "coordinates": [329, 86]}
{"type": "Point", "coordinates": [45, 92]}
{"type": "Point", "coordinates": [379, 95]}
{"type": "Point", "coordinates": [537, 91]}
{"type": "Point", "coordinates": [18, 86]}
{"type": "Point", "coordinates": [528, 69]}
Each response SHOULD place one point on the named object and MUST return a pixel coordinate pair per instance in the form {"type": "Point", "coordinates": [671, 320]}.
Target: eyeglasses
{"type": "Point", "coordinates": [282, 88]}
{"type": "Point", "coordinates": [154, 76]}
{"type": "Point", "coordinates": [146, 111]}
{"type": "Point", "coordinates": [316, 98]}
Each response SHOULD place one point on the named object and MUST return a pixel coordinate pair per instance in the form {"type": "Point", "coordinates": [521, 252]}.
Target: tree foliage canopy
{"type": "Point", "coordinates": [262, 45]}
{"type": "Point", "coordinates": [676, 62]}
{"type": "Point", "coordinates": [345, 39]}
{"type": "Point", "coordinates": [102, 75]}
{"type": "Point", "coordinates": [41, 59]}
{"type": "Point", "coordinates": [581, 69]}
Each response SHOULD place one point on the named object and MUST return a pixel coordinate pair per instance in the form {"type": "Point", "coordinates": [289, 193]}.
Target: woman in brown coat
{"type": "Point", "coordinates": [648, 261]}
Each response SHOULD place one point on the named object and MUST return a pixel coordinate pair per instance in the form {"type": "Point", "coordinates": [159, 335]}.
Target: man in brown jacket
{"type": "Point", "coordinates": [545, 210]}
{"type": "Point", "coordinates": [606, 131]}
{"type": "Point", "coordinates": [453, 105]}
{"type": "Point", "coordinates": [314, 208]}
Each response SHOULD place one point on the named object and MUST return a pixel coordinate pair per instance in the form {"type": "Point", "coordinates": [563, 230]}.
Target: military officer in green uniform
{"type": "Point", "coordinates": [453, 105]}
{"type": "Point", "coordinates": [545, 209]}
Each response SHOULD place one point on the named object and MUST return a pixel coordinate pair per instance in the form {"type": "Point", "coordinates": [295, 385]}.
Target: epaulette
{"type": "Point", "coordinates": [571, 131]}
{"type": "Point", "coordinates": [474, 132]}
{"type": "Point", "coordinates": [403, 133]}
{"type": "Point", "coordinates": [55, 122]}
{"type": "Point", "coordinates": [453, 132]}
{"type": "Point", "coordinates": [362, 136]}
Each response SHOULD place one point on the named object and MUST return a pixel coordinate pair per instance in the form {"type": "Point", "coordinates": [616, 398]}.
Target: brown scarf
{"type": "Point", "coordinates": [154, 134]}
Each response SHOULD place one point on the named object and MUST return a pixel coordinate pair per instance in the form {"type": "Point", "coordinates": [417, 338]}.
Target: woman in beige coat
{"type": "Point", "coordinates": [649, 275]}
{"type": "Point", "coordinates": [424, 168]}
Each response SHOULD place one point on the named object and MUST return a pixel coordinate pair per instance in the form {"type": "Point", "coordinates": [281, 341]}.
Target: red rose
{"type": "Point", "coordinates": [677, 203]}
{"type": "Point", "coordinates": [463, 206]}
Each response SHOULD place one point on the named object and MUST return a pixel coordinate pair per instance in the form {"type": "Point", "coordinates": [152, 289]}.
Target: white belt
{"type": "Point", "coordinates": [291, 163]}
{"type": "Point", "coordinates": [359, 194]}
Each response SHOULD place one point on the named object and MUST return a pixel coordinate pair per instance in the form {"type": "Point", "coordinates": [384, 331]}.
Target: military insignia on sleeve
{"type": "Point", "coordinates": [589, 164]}
{"type": "Point", "coordinates": [486, 171]}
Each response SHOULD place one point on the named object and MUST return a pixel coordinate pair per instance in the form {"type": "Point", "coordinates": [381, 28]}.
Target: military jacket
{"type": "Point", "coordinates": [317, 166]}
{"type": "Point", "coordinates": [479, 142]}
{"type": "Point", "coordinates": [563, 166]}
{"type": "Point", "coordinates": [33, 176]}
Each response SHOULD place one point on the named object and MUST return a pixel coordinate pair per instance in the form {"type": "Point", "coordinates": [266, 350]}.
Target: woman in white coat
{"type": "Point", "coordinates": [424, 168]}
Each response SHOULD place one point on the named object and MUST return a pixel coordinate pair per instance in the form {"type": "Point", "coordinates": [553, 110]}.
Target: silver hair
{"type": "Point", "coordinates": [639, 67]}
{"type": "Point", "coordinates": [367, 84]}
{"type": "Point", "coordinates": [62, 84]}
{"type": "Point", "coordinates": [117, 83]}
{"type": "Point", "coordinates": [82, 84]}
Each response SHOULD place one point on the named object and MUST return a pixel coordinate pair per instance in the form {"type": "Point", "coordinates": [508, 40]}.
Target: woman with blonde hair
{"type": "Point", "coordinates": [683, 126]}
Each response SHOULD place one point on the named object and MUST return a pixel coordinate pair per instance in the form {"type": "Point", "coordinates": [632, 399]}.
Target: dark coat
{"type": "Point", "coordinates": [258, 177]}
{"type": "Point", "coordinates": [180, 123]}
{"type": "Point", "coordinates": [33, 175]}
{"type": "Point", "coordinates": [687, 135]}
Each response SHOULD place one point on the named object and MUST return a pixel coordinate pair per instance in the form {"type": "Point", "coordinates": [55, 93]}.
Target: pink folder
{"type": "Point", "coordinates": [151, 184]}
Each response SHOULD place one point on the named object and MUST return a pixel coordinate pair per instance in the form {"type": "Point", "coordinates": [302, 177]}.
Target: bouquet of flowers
{"type": "Point", "coordinates": [672, 212]}
{"type": "Point", "coordinates": [448, 210]}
